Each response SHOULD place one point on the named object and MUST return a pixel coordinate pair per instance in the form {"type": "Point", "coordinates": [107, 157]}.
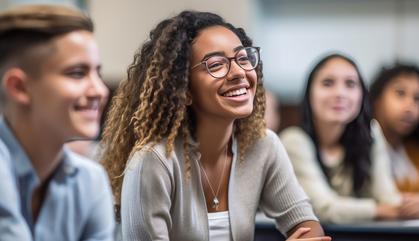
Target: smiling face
{"type": "Point", "coordinates": [230, 97]}
{"type": "Point", "coordinates": [68, 94]}
{"type": "Point", "coordinates": [336, 92]}
{"type": "Point", "coordinates": [397, 109]}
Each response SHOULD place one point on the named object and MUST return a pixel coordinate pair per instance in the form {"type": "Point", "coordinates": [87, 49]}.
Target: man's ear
{"type": "Point", "coordinates": [15, 85]}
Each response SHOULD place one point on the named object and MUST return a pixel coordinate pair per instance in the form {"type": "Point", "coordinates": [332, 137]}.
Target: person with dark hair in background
{"type": "Point", "coordinates": [395, 100]}
{"type": "Point", "coordinates": [51, 92]}
{"type": "Point", "coordinates": [185, 142]}
{"type": "Point", "coordinates": [343, 170]}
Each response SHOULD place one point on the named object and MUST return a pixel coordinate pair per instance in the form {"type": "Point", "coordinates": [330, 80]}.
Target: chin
{"type": "Point", "coordinates": [243, 114]}
{"type": "Point", "coordinates": [88, 132]}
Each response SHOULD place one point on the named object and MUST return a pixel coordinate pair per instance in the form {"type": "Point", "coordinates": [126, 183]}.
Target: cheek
{"type": "Point", "coordinates": [390, 106]}
{"type": "Point", "coordinates": [318, 97]}
{"type": "Point", "coordinates": [355, 96]}
{"type": "Point", "coordinates": [252, 76]}
{"type": "Point", "coordinates": [315, 108]}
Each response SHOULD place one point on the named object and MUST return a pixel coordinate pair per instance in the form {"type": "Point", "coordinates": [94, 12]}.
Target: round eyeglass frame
{"type": "Point", "coordinates": [229, 62]}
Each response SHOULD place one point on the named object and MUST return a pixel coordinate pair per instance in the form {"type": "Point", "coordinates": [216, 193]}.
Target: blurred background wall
{"type": "Point", "coordinates": [291, 33]}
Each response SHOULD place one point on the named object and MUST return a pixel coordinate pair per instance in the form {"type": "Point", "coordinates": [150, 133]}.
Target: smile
{"type": "Point", "coordinates": [233, 93]}
{"type": "Point", "coordinates": [91, 106]}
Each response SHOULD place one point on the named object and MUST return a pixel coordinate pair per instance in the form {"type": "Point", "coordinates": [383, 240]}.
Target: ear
{"type": "Point", "coordinates": [188, 98]}
{"type": "Point", "coordinates": [15, 83]}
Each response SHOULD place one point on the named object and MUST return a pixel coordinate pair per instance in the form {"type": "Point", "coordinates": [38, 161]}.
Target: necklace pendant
{"type": "Point", "coordinates": [215, 203]}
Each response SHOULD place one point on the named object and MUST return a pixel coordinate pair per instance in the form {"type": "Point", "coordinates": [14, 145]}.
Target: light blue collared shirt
{"type": "Point", "coordinates": [77, 205]}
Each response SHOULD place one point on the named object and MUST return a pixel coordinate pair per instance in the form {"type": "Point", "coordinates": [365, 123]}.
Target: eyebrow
{"type": "Point", "coordinates": [236, 49]}
{"type": "Point", "coordinates": [82, 66]}
{"type": "Point", "coordinates": [209, 55]}
{"type": "Point", "coordinates": [346, 77]}
{"type": "Point", "coordinates": [216, 53]}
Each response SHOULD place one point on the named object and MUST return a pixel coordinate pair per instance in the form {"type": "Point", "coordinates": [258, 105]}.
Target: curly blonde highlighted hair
{"type": "Point", "coordinates": [151, 104]}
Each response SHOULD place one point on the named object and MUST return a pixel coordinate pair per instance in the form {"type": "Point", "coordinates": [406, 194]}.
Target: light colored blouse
{"type": "Point", "coordinates": [335, 202]}
{"type": "Point", "coordinates": [405, 171]}
{"type": "Point", "coordinates": [159, 203]}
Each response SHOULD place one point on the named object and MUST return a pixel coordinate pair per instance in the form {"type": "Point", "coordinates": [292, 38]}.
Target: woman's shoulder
{"type": "Point", "coordinates": [272, 136]}
{"type": "Point", "coordinates": [269, 139]}
{"type": "Point", "coordinates": [153, 154]}
{"type": "Point", "coordinates": [294, 134]}
{"type": "Point", "coordinates": [376, 130]}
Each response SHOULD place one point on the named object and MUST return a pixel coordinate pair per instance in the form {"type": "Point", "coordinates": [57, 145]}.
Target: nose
{"type": "Point", "coordinates": [411, 105]}
{"type": "Point", "coordinates": [235, 71]}
{"type": "Point", "coordinates": [340, 90]}
{"type": "Point", "coordinates": [97, 88]}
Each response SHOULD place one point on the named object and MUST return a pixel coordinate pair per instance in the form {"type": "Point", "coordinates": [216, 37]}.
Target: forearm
{"type": "Point", "coordinates": [316, 229]}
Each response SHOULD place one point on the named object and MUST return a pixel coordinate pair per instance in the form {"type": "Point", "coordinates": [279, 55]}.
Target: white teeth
{"type": "Point", "coordinates": [92, 105]}
{"type": "Point", "coordinates": [95, 105]}
{"type": "Point", "coordinates": [235, 92]}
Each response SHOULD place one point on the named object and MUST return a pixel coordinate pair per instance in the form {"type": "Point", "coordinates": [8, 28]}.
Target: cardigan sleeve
{"type": "Point", "coordinates": [146, 198]}
{"type": "Point", "coordinates": [383, 186]}
{"type": "Point", "coordinates": [327, 203]}
{"type": "Point", "coordinates": [282, 197]}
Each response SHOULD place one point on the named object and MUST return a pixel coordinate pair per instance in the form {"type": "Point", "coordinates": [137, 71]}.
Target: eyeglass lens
{"type": "Point", "coordinates": [247, 58]}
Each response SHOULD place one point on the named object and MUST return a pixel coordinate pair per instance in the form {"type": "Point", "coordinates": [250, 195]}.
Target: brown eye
{"type": "Point", "coordinates": [216, 63]}
{"type": "Point", "coordinates": [243, 60]}
{"type": "Point", "coordinates": [400, 93]}
{"type": "Point", "coordinates": [328, 82]}
{"type": "Point", "coordinates": [351, 83]}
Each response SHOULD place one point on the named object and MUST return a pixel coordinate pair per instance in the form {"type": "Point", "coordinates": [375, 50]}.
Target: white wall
{"type": "Point", "coordinates": [293, 34]}
{"type": "Point", "coordinates": [123, 25]}
{"type": "Point", "coordinates": [10, 3]}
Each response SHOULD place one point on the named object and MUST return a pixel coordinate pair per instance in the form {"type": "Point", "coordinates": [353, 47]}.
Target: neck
{"type": "Point", "coordinates": [43, 149]}
{"type": "Point", "coordinates": [392, 138]}
{"type": "Point", "coordinates": [213, 137]}
{"type": "Point", "coordinates": [328, 135]}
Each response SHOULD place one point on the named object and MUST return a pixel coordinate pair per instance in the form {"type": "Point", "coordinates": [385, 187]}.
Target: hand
{"type": "Point", "coordinates": [410, 206]}
{"type": "Point", "coordinates": [301, 231]}
{"type": "Point", "coordinates": [387, 211]}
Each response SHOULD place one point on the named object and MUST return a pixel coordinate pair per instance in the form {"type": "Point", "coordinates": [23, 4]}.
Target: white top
{"type": "Point", "coordinates": [401, 165]}
{"type": "Point", "coordinates": [335, 201]}
{"type": "Point", "coordinates": [219, 226]}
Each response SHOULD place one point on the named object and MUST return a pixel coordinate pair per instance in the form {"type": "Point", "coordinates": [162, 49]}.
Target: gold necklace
{"type": "Point", "coordinates": [215, 201]}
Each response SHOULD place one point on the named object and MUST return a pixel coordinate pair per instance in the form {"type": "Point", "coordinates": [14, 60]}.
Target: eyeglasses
{"type": "Point", "coordinates": [218, 66]}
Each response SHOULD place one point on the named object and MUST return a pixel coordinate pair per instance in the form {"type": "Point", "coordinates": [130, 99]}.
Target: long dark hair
{"type": "Point", "coordinates": [356, 138]}
{"type": "Point", "coordinates": [387, 75]}
{"type": "Point", "coordinates": [384, 78]}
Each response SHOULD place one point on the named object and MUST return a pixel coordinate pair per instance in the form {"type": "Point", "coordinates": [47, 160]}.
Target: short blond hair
{"type": "Point", "coordinates": [26, 27]}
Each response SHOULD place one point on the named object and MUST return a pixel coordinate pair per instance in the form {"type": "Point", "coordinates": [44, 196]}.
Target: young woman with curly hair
{"type": "Point", "coordinates": [185, 143]}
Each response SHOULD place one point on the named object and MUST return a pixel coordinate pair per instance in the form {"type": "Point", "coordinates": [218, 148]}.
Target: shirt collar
{"type": "Point", "coordinates": [23, 165]}
{"type": "Point", "coordinates": [67, 166]}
